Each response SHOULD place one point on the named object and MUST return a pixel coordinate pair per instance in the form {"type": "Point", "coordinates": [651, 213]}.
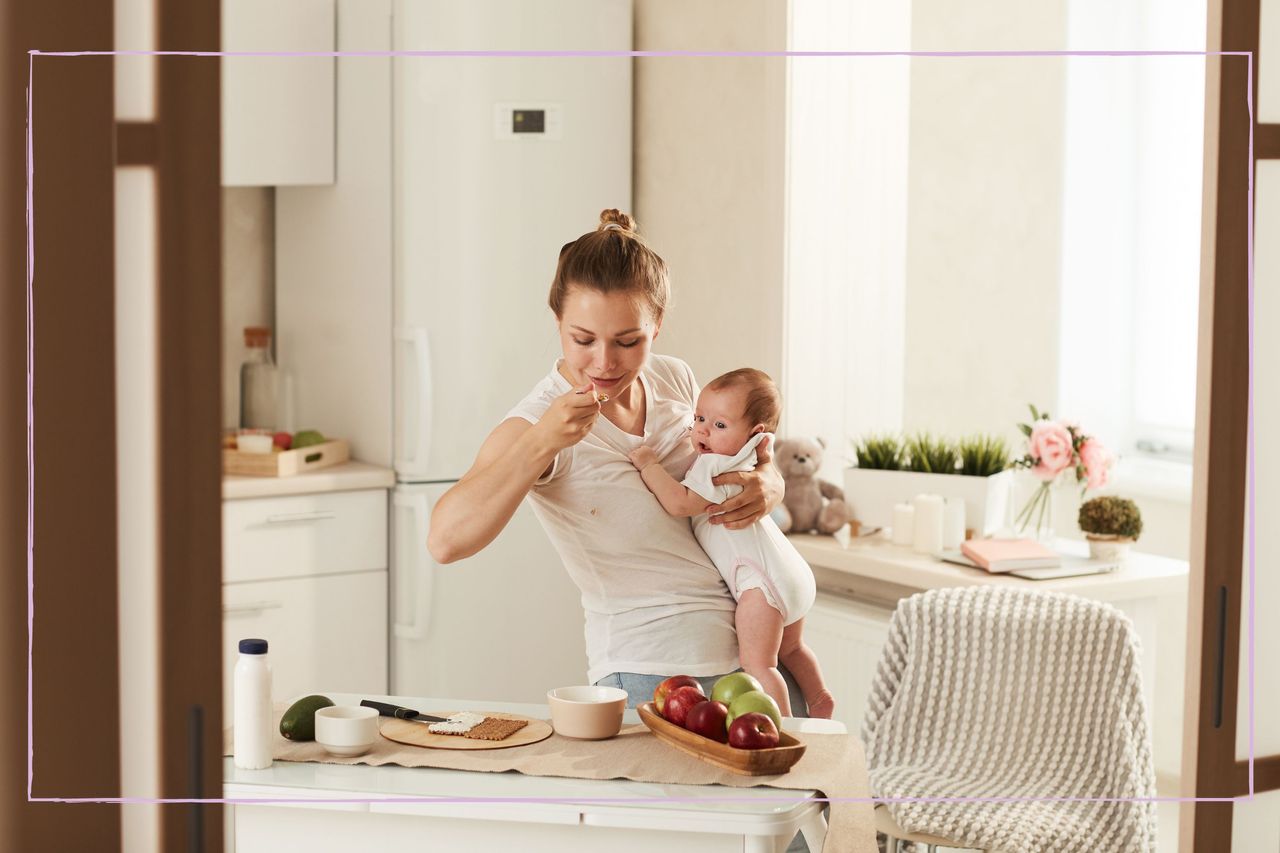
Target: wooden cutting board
{"type": "Point", "coordinates": [416, 734]}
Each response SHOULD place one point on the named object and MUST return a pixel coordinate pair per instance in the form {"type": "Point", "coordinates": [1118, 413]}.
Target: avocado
{"type": "Point", "coordinates": [307, 437]}
{"type": "Point", "coordinates": [299, 722]}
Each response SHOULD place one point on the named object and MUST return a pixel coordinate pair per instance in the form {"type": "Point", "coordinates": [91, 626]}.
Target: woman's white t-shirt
{"type": "Point", "coordinates": [654, 602]}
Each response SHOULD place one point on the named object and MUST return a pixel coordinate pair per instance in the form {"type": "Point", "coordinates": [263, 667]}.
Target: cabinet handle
{"type": "Point", "coordinates": [1220, 660]}
{"type": "Point", "coordinates": [414, 563]}
{"type": "Point", "coordinates": [292, 517]}
{"type": "Point", "coordinates": [255, 607]}
{"type": "Point", "coordinates": [416, 462]}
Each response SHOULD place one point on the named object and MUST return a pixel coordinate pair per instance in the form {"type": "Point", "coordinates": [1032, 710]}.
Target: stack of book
{"type": "Point", "coordinates": [1007, 555]}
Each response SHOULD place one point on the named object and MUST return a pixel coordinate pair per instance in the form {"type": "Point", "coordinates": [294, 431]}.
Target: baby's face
{"type": "Point", "coordinates": [719, 421]}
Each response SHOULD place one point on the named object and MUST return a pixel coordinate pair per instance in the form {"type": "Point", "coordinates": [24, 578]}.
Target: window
{"type": "Point", "coordinates": [1133, 170]}
{"type": "Point", "coordinates": [967, 236]}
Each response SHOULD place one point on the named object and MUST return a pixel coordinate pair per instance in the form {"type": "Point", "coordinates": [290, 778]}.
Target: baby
{"type": "Point", "coordinates": [771, 582]}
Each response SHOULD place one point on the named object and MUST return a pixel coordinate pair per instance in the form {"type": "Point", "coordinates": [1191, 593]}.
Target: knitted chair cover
{"type": "Point", "coordinates": [1031, 697]}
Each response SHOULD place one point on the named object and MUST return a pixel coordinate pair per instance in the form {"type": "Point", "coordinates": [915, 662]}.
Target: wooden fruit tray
{"type": "Point", "coordinates": [745, 762]}
{"type": "Point", "coordinates": [286, 463]}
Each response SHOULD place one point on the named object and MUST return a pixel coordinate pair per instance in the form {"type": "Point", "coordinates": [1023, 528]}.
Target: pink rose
{"type": "Point", "coordinates": [1049, 444]}
{"type": "Point", "coordinates": [1097, 461]}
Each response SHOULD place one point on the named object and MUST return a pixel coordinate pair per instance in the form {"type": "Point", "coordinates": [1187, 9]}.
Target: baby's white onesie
{"type": "Point", "coordinates": [756, 557]}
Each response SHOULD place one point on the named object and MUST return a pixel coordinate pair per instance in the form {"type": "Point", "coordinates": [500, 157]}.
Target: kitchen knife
{"type": "Point", "coordinates": [387, 710]}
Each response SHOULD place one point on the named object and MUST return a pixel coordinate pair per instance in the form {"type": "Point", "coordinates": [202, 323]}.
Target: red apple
{"type": "Point", "coordinates": [753, 730]}
{"type": "Point", "coordinates": [665, 688]}
{"type": "Point", "coordinates": [282, 440]}
{"type": "Point", "coordinates": [678, 703]}
{"type": "Point", "coordinates": [707, 719]}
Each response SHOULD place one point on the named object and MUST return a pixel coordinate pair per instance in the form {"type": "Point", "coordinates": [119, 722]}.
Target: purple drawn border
{"type": "Point", "coordinates": [605, 53]}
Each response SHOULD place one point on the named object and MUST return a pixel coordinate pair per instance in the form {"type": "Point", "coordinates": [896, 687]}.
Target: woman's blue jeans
{"type": "Point", "coordinates": [640, 687]}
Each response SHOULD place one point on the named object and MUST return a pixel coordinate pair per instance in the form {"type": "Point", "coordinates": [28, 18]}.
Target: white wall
{"type": "Point", "coordinates": [137, 425]}
{"type": "Point", "coordinates": [348, 268]}
{"type": "Point", "coordinates": [709, 177]}
{"type": "Point", "coordinates": [1256, 826]}
{"type": "Point", "coordinates": [984, 224]}
{"type": "Point", "coordinates": [1269, 62]}
{"type": "Point", "coordinates": [1266, 484]}
{"type": "Point", "coordinates": [248, 282]}
{"type": "Point", "coordinates": [137, 492]}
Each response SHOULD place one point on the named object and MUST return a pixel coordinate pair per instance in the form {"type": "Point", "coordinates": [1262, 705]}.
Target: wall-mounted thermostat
{"type": "Point", "coordinates": [528, 121]}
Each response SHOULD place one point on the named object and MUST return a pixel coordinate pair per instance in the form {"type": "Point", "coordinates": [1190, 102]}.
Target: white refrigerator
{"type": "Point", "coordinates": [496, 162]}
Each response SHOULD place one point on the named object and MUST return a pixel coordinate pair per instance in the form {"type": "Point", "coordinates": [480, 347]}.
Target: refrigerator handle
{"type": "Point", "coordinates": [416, 462]}
{"type": "Point", "coordinates": [418, 561]}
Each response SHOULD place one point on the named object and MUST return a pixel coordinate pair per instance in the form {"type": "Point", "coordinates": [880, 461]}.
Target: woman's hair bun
{"type": "Point", "coordinates": [613, 216]}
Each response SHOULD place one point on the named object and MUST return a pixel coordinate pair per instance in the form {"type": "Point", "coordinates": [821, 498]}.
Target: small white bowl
{"type": "Point", "coordinates": [347, 729]}
{"type": "Point", "coordinates": [587, 712]}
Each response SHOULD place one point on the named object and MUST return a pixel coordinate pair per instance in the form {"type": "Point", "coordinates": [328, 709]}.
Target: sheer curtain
{"type": "Point", "coordinates": [847, 149]}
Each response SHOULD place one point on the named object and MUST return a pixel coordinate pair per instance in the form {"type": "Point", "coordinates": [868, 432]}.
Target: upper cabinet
{"type": "Point", "coordinates": [278, 111]}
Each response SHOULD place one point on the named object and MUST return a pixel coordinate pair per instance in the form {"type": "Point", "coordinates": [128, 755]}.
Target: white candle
{"type": "Point", "coordinates": [927, 523]}
{"type": "Point", "coordinates": [953, 523]}
{"type": "Point", "coordinates": [902, 524]}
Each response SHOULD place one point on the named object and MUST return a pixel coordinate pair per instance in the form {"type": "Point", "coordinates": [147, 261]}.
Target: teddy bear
{"type": "Point", "coordinates": [810, 503]}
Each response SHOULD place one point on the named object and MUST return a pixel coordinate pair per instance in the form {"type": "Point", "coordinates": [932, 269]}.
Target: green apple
{"type": "Point", "coordinates": [731, 686]}
{"type": "Point", "coordinates": [757, 701]}
{"type": "Point", "coordinates": [307, 438]}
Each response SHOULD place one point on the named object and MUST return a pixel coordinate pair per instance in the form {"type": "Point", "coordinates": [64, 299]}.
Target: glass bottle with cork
{"type": "Point", "coordinates": [259, 382]}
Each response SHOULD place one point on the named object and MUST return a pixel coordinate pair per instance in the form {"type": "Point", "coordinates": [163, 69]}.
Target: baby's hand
{"type": "Point", "coordinates": [642, 456]}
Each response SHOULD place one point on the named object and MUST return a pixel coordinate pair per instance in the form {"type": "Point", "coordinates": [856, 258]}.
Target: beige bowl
{"type": "Point", "coordinates": [587, 712]}
{"type": "Point", "coordinates": [347, 729]}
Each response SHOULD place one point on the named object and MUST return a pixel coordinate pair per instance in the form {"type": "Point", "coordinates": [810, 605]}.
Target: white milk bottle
{"type": "Point", "coordinates": [252, 733]}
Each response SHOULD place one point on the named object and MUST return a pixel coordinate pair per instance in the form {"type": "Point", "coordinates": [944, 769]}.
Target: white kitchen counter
{"type": "Point", "coordinates": [349, 476]}
{"type": "Point", "coordinates": [861, 580]}
{"type": "Point", "coordinates": [873, 568]}
{"type": "Point", "coordinates": [614, 814]}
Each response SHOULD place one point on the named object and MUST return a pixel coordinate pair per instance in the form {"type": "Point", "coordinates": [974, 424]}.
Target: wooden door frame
{"type": "Point", "coordinates": [1210, 767]}
{"type": "Point", "coordinates": [75, 635]}
{"type": "Point", "coordinates": [187, 156]}
{"type": "Point", "coordinates": [74, 626]}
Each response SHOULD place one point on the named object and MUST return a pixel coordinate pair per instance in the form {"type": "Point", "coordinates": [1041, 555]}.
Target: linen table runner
{"type": "Point", "coordinates": [832, 764]}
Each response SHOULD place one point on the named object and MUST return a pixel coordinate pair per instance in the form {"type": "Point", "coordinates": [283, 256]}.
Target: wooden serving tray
{"type": "Point", "coordinates": [416, 734]}
{"type": "Point", "coordinates": [286, 463]}
{"type": "Point", "coordinates": [746, 762]}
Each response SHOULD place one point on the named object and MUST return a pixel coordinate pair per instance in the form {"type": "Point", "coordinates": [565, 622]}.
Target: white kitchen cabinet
{"type": "Point", "coordinates": [308, 573]}
{"type": "Point", "coordinates": [302, 535]}
{"type": "Point", "coordinates": [278, 111]}
{"type": "Point", "coordinates": [323, 633]}
{"type": "Point", "coordinates": [847, 636]}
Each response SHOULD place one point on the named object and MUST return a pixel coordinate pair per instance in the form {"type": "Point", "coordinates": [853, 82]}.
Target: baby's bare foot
{"type": "Point", "coordinates": [823, 705]}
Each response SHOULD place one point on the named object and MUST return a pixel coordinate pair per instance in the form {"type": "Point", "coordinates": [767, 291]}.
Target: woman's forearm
{"type": "Point", "coordinates": [476, 509]}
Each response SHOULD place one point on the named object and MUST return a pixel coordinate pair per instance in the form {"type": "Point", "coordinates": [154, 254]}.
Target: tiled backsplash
{"type": "Point", "coordinates": [248, 281]}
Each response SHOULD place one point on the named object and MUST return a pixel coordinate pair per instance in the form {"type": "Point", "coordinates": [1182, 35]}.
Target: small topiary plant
{"type": "Point", "coordinates": [883, 452]}
{"type": "Point", "coordinates": [1111, 516]}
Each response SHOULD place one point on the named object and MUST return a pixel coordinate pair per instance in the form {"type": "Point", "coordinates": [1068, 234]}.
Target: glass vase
{"type": "Point", "coordinates": [1035, 514]}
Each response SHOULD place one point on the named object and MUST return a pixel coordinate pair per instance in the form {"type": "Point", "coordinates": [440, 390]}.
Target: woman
{"type": "Point", "coordinates": [655, 604]}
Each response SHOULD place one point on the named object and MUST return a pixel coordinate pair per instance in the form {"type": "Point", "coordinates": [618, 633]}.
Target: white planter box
{"type": "Point", "coordinates": [871, 494]}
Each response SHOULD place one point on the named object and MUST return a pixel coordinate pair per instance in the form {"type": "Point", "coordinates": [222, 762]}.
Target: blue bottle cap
{"type": "Point", "coordinates": [253, 647]}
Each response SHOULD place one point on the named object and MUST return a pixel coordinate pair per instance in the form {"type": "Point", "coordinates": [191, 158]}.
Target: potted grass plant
{"type": "Point", "coordinates": [893, 469]}
{"type": "Point", "coordinates": [1111, 524]}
